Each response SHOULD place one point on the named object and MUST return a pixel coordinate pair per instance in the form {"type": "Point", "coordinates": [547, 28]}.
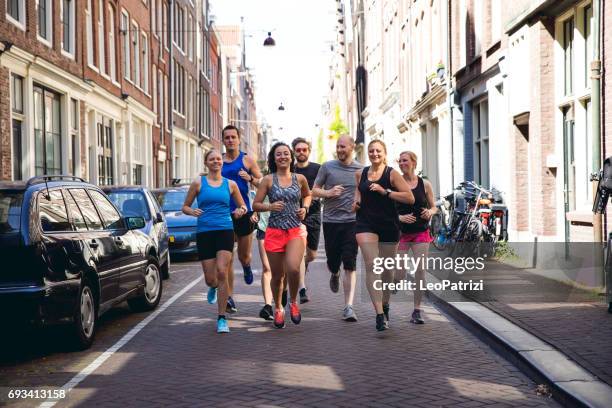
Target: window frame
{"type": "Point", "coordinates": [20, 22]}
{"type": "Point", "coordinates": [106, 227]}
{"type": "Point", "coordinates": [48, 39]}
{"type": "Point", "coordinates": [42, 195]}
{"type": "Point", "coordinates": [126, 49]}
{"type": "Point", "coordinates": [70, 52]}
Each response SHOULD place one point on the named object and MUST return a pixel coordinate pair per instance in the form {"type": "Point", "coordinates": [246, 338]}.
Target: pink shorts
{"type": "Point", "coordinates": [423, 237]}
{"type": "Point", "coordinates": [276, 239]}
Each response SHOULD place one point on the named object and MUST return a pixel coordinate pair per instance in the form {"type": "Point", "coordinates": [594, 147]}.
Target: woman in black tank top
{"type": "Point", "coordinates": [377, 227]}
{"type": "Point", "coordinates": [414, 223]}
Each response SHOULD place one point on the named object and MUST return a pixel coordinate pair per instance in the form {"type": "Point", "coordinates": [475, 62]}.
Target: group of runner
{"type": "Point", "coordinates": [371, 208]}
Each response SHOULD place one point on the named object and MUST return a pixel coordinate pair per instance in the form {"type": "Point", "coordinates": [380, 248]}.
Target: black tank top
{"type": "Point", "coordinates": [376, 209]}
{"type": "Point", "coordinates": [420, 202]}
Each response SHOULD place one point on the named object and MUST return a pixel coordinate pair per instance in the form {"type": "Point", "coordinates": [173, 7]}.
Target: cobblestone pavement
{"type": "Point", "coordinates": [179, 360]}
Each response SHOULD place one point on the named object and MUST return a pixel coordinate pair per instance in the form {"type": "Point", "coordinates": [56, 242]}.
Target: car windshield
{"type": "Point", "coordinates": [10, 211]}
{"type": "Point", "coordinates": [172, 200]}
{"type": "Point", "coordinates": [131, 203]}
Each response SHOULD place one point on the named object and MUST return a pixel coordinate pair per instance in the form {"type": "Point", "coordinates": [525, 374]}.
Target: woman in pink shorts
{"type": "Point", "coordinates": [414, 223]}
{"type": "Point", "coordinates": [285, 239]}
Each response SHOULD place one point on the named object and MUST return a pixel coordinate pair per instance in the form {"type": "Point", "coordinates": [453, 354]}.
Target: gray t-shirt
{"type": "Point", "coordinates": [334, 173]}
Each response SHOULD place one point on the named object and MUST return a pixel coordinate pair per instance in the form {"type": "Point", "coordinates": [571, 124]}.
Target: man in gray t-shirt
{"type": "Point", "coordinates": [335, 183]}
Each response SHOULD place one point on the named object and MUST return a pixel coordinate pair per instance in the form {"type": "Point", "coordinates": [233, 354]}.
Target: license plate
{"type": "Point", "coordinates": [171, 238]}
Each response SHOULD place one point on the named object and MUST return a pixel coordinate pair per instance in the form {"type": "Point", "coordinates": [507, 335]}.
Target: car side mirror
{"type": "Point", "coordinates": [159, 218]}
{"type": "Point", "coordinates": [134, 223]}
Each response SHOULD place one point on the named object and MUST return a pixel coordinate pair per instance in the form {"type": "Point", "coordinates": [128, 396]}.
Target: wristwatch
{"type": "Point", "coordinates": [389, 191]}
{"type": "Point", "coordinates": [306, 208]}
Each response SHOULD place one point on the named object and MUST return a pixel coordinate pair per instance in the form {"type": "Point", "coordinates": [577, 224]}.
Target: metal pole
{"type": "Point", "coordinates": [596, 112]}
{"type": "Point", "coordinates": [170, 91]}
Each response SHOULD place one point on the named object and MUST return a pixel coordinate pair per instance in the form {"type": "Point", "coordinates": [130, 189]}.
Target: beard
{"type": "Point", "coordinates": [301, 158]}
{"type": "Point", "coordinates": [341, 156]}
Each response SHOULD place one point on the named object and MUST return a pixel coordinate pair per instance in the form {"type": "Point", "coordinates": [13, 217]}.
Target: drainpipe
{"type": "Point", "coordinates": [170, 149]}
{"type": "Point", "coordinates": [449, 89]}
{"type": "Point", "coordinates": [596, 111]}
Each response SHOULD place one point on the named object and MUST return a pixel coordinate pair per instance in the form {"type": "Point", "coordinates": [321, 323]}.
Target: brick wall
{"type": "Point", "coordinates": [520, 206]}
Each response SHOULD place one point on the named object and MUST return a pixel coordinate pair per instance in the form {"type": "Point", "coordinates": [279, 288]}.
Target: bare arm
{"type": "Point", "coordinates": [403, 193]}
{"type": "Point", "coordinates": [262, 191]}
{"type": "Point", "coordinates": [240, 206]}
{"type": "Point", "coordinates": [357, 201]}
{"type": "Point", "coordinates": [426, 213]}
{"type": "Point", "coordinates": [255, 172]}
{"type": "Point", "coordinates": [306, 197]}
{"type": "Point", "coordinates": [192, 193]}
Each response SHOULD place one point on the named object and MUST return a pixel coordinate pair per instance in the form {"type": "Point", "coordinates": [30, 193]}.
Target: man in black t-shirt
{"type": "Point", "coordinates": [301, 147]}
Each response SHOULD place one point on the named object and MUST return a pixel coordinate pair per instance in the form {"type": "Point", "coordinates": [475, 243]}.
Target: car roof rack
{"type": "Point", "coordinates": [58, 177]}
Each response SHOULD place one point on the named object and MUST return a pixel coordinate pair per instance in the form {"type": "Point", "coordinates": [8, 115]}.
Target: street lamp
{"type": "Point", "coordinates": [281, 107]}
{"type": "Point", "coordinates": [269, 42]}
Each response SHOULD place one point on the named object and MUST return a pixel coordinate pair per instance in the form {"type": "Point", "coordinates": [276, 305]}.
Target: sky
{"type": "Point", "coordinates": [296, 71]}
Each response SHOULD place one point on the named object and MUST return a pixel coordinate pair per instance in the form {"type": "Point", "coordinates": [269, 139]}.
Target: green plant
{"type": "Point", "coordinates": [320, 147]}
{"type": "Point", "coordinates": [504, 251]}
{"type": "Point", "coordinates": [338, 126]}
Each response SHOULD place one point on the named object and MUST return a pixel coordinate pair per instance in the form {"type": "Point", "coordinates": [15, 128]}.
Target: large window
{"type": "Point", "coordinates": [125, 49]}
{"type": "Point", "coordinates": [136, 45]}
{"type": "Point", "coordinates": [165, 19]}
{"type": "Point", "coordinates": [74, 136]}
{"type": "Point", "coordinates": [52, 212]}
{"type": "Point", "coordinates": [110, 215]}
{"type": "Point", "coordinates": [45, 20]}
{"type": "Point", "coordinates": [179, 88]}
{"type": "Point", "coordinates": [568, 54]}
{"type": "Point", "coordinates": [105, 152]}
{"type": "Point", "coordinates": [17, 125]}
{"type": "Point", "coordinates": [47, 132]}
{"type": "Point", "coordinates": [154, 92]}
{"type": "Point", "coordinates": [92, 218]}
{"type": "Point", "coordinates": [189, 36]}
{"type": "Point", "coordinates": [145, 63]}
{"type": "Point", "coordinates": [68, 26]}
{"type": "Point", "coordinates": [481, 142]}
{"type": "Point", "coordinates": [112, 53]}
{"type": "Point", "coordinates": [78, 220]}
{"type": "Point", "coordinates": [101, 38]}
{"type": "Point", "coordinates": [15, 11]}
{"type": "Point", "coordinates": [588, 48]}
{"type": "Point", "coordinates": [89, 34]}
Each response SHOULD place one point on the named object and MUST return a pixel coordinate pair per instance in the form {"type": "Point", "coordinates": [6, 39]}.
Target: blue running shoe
{"type": "Point", "coordinates": [231, 306]}
{"type": "Point", "coordinates": [222, 326]}
{"type": "Point", "coordinates": [248, 274]}
{"type": "Point", "coordinates": [212, 296]}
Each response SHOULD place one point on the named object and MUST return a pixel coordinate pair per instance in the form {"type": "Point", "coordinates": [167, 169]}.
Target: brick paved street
{"type": "Point", "coordinates": [179, 360]}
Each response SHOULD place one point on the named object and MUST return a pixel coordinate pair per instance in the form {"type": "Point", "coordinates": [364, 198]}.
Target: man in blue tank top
{"type": "Point", "coordinates": [243, 170]}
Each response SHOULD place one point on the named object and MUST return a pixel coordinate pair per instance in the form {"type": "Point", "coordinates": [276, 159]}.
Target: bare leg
{"type": "Point", "coordinates": [368, 243]}
{"type": "Point", "coordinates": [349, 281]}
{"type": "Point", "coordinates": [419, 250]}
{"type": "Point", "coordinates": [223, 259]}
{"type": "Point", "coordinates": [210, 272]}
{"type": "Point", "coordinates": [277, 260]}
{"type": "Point", "coordinates": [266, 275]}
{"type": "Point", "coordinates": [309, 256]}
{"type": "Point", "coordinates": [387, 250]}
{"type": "Point", "coordinates": [230, 276]}
{"type": "Point", "coordinates": [244, 249]}
{"type": "Point", "coordinates": [294, 256]}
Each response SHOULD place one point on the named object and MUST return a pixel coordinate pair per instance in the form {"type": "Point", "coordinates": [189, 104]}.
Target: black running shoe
{"type": "Point", "coordinates": [284, 299]}
{"type": "Point", "coordinates": [386, 313]}
{"type": "Point", "coordinates": [380, 322]}
{"type": "Point", "coordinates": [304, 296]}
{"type": "Point", "coordinates": [231, 306]}
{"type": "Point", "coordinates": [266, 313]}
{"type": "Point", "coordinates": [416, 317]}
{"type": "Point", "coordinates": [334, 282]}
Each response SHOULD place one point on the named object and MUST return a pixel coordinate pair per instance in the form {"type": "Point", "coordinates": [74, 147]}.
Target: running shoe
{"type": "Point", "coordinates": [279, 318]}
{"type": "Point", "coordinates": [304, 296]}
{"type": "Point", "coordinates": [386, 313]}
{"type": "Point", "coordinates": [334, 282]}
{"type": "Point", "coordinates": [416, 317]}
{"type": "Point", "coordinates": [284, 299]}
{"type": "Point", "coordinates": [231, 306]}
{"type": "Point", "coordinates": [380, 322]}
{"type": "Point", "coordinates": [248, 274]}
{"type": "Point", "coordinates": [222, 326]}
{"type": "Point", "coordinates": [212, 296]}
{"type": "Point", "coordinates": [294, 311]}
{"type": "Point", "coordinates": [266, 312]}
{"type": "Point", "coordinates": [349, 314]}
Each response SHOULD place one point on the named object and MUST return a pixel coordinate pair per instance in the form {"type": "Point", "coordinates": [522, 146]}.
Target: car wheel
{"type": "Point", "coordinates": [84, 319]}
{"type": "Point", "coordinates": [165, 269]}
{"type": "Point", "coordinates": [152, 290]}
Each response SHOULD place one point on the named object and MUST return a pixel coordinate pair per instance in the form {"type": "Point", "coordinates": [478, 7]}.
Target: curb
{"type": "Point", "coordinates": [570, 384]}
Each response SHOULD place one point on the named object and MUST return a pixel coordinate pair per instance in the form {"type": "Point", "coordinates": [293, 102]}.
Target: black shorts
{"type": "Point", "coordinates": [243, 225]}
{"type": "Point", "coordinates": [313, 227]}
{"type": "Point", "coordinates": [340, 246]}
{"type": "Point", "coordinates": [210, 242]}
{"type": "Point", "coordinates": [259, 234]}
{"type": "Point", "coordinates": [385, 233]}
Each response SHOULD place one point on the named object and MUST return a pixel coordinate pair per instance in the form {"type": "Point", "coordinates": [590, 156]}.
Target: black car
{"type": "Point", "coordinates": [138, 201]}
{"type": "Point", "coordinates": [68, 255]}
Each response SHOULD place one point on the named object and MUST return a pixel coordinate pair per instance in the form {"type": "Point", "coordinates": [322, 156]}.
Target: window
{"type": "Point", "coordinates": [204, 114]}
{"type": "Point", "coordinates": [588, 49]}
{"type": "Point", "coordinates": [45, 20]}
{"type": "Point", "coordinates": [154, 83]}
{"type": "Point", "coordinates": [131, 204]}
{"type": "Point", "coordinates": [74, 136]}
{"type": "Point", "coordinates": [137, 174]}
{"type": "Point", "coordinates": [568, 51]}
{"type": "Point", "coordinates": [52, 211]}
{"type": "Point", "coordinates": [17, 124]}
{"type": "Point", "coordinates": [78, 220]}
{"type": "Point", "coordinates": [92, 218]}
{"type": "Point", "coordinates": [179, 27]}
{"type": "Point", "coordinates": [111, 217]}
{"type": "Point", "coordinates": [68, 26]}
{"type": "Point", "coordinates": [153, 17]}
{"type": "Point", "coordinates": [158, 26]}
{"type": "Point", "coordinates": [101, 38]}
{"type": "Point", "coordinates": [89, 23]}
{"type": "Point", "coordinates": [179, 88]}
{"type": "Point", "coordinates": [15, 11]}
{"type": "Point", "coordinates": [105, 152]}
{"type": "Point", "coordinates": [189, 86]}
{"type": "Point", "coordinates": [145, 64]}
{"type": "Point", "coordinates": [189, 37]}
{"type": "Point", "coordinates": [136, 45]}
{"type": "Point", "coordinates": [481, 142]}
{"type": "Point", "coordinates": [161, 103]}
{"type": "Point", "coordinates": [112, 53]}
{"type": "Point", "coordinates": [125, 51]}
{"type": "Point", "coordinates": [166, 103]}
{"type": "Point", "coordinates": [161, 174]}
{"type": "Point", "coordinates": [47, 132]}
{"type": "Point", "coordinates": [166, 37]}
{"type": "Point", "coordinates": [17, 93]}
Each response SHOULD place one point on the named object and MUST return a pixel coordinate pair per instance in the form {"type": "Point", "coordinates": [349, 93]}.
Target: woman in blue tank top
{"type": "Point", "coordinates": [215, 233]}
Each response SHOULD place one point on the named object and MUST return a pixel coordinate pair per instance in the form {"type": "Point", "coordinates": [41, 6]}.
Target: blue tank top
{"type": "Point", "coordinates": [215, 205]}
{"type": "Point", "coordinates": [230, 171]}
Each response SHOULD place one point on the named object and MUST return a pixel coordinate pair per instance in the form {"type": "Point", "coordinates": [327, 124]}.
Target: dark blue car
{"type": "Point", "coordinates": [181, 227]}
{"type": "Point", "coordinates": [138, 201]}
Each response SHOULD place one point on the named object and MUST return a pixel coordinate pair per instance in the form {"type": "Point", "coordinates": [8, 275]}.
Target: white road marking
{"type": "Point", "coordinates": [122, 342]}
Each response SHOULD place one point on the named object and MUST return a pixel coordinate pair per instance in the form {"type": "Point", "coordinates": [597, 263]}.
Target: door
{"type": "Point", "coordinates": [99, 245]}
{"type": "Point", "coordinates": [569, 167]}
{"type": "Point", "coordinates": [130, 244]}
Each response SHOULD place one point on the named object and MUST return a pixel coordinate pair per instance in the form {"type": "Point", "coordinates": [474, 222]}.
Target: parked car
{"type": "Point", "coordinates": [69, 256]}
{"type": "Point", "coordinates": [138, 201]}
{"type": "Point", "coordinates": [181, 227]}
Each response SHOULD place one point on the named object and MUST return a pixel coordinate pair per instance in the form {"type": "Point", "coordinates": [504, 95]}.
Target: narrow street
{"type": "Point", "coordinates": [177, 359]}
